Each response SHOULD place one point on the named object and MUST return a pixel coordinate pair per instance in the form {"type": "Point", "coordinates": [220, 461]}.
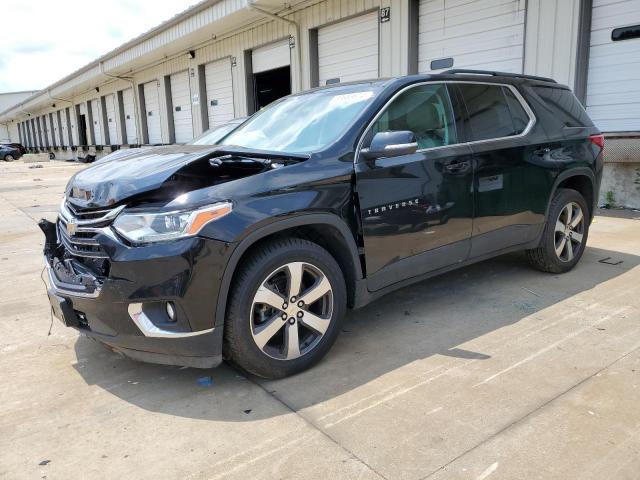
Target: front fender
{"type": "Point", "coordinates": [273, 227]}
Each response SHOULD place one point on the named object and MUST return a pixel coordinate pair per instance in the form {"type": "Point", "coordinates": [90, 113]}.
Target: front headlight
{"type": "Point", "coordinates": [156, 227]}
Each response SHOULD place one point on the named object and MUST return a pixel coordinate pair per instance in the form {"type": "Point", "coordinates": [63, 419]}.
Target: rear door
{"type": "Point", "coordinates": [416, 210]}
{"type": "Point", "coordinates": [511, 186]}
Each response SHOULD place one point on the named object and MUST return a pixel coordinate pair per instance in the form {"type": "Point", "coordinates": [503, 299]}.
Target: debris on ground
{"type": "Point", "coordinates": [36, 166]}
{"type": "Point", "coordinates": [44, 462]}
{"type": "Point", "coordinates": [610, 261]}
{"type": "Point", "coordinates": [205, 381]}
{"type": "Point", "coordinates": [530, 291]}
{"type": "Point", "coordinates": [248, 411]}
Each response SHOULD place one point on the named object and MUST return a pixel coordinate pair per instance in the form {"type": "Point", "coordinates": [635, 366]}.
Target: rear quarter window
{"type": "Point", "coordinates": [494, 111]}
{"type": "Point", "coordinates": [566, 107]}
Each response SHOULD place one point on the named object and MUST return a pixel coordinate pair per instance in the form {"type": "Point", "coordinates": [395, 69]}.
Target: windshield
{"type": "Point", "coordinates": [213, 136]}
{"type": "Point", "coordinates": [303, 123]}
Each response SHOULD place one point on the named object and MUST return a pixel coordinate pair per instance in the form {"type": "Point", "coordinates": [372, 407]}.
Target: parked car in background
{"type": "Point", "coordinates": [9, 153]}
{"type": "Point", "coordinates": [18, 146]}
{"type": "Point", "coordinates": [214, 135]}
{"type": "Point", "coordinates": [254, 248]}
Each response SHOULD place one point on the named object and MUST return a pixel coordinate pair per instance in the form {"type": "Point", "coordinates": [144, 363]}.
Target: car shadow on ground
{"type": "Point", "coordinates": [434, 317]}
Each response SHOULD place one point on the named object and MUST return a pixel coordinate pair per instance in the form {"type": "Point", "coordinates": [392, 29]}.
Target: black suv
{"type": "Point", "coordinates": [254, 248]}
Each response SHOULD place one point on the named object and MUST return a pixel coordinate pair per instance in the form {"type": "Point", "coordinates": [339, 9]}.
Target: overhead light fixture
{"type": "Point", "coordinates": [191, 55]}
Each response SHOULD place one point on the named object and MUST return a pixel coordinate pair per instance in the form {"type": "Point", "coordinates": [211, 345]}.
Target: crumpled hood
{"type": "Point", "coordinates": [108, 183]}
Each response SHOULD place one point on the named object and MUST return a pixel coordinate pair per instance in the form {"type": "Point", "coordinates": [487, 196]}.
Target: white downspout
{"type": "Point", "coordinates": [135, 101]}
{"type": "Point", "coordinates": [298, 47]}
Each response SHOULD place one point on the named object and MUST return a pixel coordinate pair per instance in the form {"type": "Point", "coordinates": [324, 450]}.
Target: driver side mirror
{"type": "Point", "coordinates": [391, 144]}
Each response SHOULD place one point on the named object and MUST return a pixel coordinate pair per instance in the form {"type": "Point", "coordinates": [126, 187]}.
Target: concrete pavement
{"type": "Point", "coordinates": [494, 371]}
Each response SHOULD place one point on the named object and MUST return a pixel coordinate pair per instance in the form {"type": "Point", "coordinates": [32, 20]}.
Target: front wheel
{"type": "Point", "coordinates": [287, 301]}
{"type": "Point", "coordinates": [8, 158]}
{"type": "Point", "coordinates": [565, 234]}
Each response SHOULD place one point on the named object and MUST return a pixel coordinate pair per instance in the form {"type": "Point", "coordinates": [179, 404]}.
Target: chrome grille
{"type": "Point", "coordinates": [77, 229]}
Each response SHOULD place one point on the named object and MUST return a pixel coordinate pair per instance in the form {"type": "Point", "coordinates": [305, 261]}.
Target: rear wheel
{"type": "Point", "coordinates": [565, 234]}
{"type": "Point", "coordinates": [286, 303]}
{"type": "Point", "coordinates": [8, 158]}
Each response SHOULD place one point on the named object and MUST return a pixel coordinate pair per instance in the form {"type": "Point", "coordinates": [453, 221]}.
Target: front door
{"type": "Point", "coordinates": [417, 209]}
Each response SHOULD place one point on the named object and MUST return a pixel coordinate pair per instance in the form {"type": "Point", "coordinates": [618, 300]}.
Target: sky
{"type": "Point", "coordinates": [43, 40]}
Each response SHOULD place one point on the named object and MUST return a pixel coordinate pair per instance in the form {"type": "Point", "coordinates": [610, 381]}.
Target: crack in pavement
{"type": "Point", "coordinates": [311, 424]}
{"type": "Point", "coordinates": [516, 422]}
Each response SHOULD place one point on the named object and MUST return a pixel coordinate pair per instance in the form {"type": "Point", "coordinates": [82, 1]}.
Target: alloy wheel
{"type": "Point", "coordinates": [569, 231]}
{"type": "Point", "coordinates": [291, 311]}
{"type": "Point", "coordinates": [8, 158]}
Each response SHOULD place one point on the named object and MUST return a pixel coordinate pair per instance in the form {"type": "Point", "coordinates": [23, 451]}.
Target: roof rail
{"type": "Point", "coordinates": [498, 74]}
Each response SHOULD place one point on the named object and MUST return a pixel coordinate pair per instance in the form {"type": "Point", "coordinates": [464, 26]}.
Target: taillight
{"type": "Point", "coordinates": [597, 140]}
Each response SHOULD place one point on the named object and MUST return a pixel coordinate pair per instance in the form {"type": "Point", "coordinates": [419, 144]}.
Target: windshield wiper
{"type": "Point", "coordinates": [270, 154]}
{"type": "Point", "coordinates": [237, 159]}
{"type": "Point", "coordinates": [265, 158]}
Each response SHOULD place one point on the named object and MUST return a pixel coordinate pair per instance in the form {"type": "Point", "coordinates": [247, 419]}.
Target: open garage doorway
{"type": "Point", "coordinates": [271, 74]}
{"type": "Point", "coordinates": [272, 85]}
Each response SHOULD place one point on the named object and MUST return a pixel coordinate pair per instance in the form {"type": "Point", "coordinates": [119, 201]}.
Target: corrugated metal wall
{"type": "Point", "coordinates": [486, 34]}
{"type": "Point", "coordinates": [613, 88]}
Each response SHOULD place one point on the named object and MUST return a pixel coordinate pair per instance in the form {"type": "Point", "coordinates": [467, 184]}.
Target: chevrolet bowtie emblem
{"type": "Point", "coordinates": [72, 227]}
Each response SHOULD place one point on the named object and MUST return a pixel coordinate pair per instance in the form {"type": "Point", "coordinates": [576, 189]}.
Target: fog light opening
{"type": "Point", "coordinates": [171, 311]}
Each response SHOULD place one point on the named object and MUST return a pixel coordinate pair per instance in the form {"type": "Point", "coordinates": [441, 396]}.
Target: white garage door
{"type": "Point", "coordinates": [219, 85]}
{"type": "Point", "coordinates": [274, 55]}
{"type": "Point", "coordinates": [152, 111]}
{"type": "Point", "coordinates": [55, 129]}
{"type": "Point", "coordinates": [97, 121]}
{"type": "Point", "coordinates": [64, 131]}
{"type": "Point", "coordinates": [130, 116]}
{"type": "Point", "coordinates": [112, 124]}
{"type": "Point", "coordinates": [181, 102]}
{"type": "Point", "coordinates": [348, 50]}
{"type": "Point", "coordinates": [613, 85]}
{"type": "Point", "coordinates": [45, 130]}
{"type": "Point", "coordinates": [479, 34]}
{"type": "Point", "coordinates": [14, 136]}
{"type": "Point", "coordinates": [37, 131]}
{"type": "Point", "coordinates": [60, 140]}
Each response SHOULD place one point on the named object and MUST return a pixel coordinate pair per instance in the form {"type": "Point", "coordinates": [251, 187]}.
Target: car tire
{"type": "Point", "coordinates": [565, 233]}
{"type": "Point", "coordinates": [9, 158]}
{"type": "Point", "coordinates": [259, 331]}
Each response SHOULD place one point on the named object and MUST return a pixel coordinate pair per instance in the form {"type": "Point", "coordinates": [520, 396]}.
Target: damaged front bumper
{"type": "Point", "coordinates": [120, 299]}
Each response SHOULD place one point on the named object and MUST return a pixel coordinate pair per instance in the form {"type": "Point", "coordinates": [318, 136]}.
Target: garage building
{"type": "Point", "coordinates": [222, 59]}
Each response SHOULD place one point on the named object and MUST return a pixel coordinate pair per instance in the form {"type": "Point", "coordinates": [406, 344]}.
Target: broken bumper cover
{"type": "Point", "coordinates": [126, 308]}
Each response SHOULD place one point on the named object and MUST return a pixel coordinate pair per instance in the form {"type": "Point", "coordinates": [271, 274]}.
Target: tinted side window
{"type": "Point", "coordinates": [426, 111]}
{"type": "Point", "coordinates": [565, 105]}
{"type": "Point", "coordinates": [494, 112]}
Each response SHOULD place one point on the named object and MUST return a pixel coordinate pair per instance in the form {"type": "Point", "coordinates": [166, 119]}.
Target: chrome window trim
{"type": "Point", "coordinates": [514, 90]}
